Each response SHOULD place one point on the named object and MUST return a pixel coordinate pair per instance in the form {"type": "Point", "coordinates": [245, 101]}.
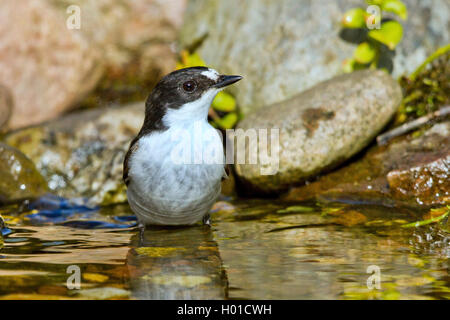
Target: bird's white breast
{"type": "Point", "coordinates": [175, 174]}
{"type": "Point", "coordinates": [181, 162]}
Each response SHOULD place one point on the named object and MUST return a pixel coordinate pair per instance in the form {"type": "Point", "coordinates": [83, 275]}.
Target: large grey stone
{"type": "Point", "coordinates": [321, 127]}
{"type": "Point", "coordinates": [284, 47]}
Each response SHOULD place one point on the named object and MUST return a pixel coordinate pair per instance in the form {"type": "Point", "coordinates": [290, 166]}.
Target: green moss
{"type": "Point", "coordinates": [425, 91]}
{"type": "Point", "coordinates": [118, 195]}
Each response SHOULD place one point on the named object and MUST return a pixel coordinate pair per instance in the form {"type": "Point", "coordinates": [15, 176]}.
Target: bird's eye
{"type": "Point", "coordinates": [189, 86]}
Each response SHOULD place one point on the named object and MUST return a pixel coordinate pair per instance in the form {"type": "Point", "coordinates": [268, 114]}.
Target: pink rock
{"type": "Point", "coordinates": [50, 68]}
{"type": "Point", "coordinates": [47, 66]}
{"type": "Point", "coordinates": [6, 105]}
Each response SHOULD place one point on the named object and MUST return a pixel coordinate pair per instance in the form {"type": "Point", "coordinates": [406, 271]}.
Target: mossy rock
{"type": "Point", "coordinates": [20, 178]}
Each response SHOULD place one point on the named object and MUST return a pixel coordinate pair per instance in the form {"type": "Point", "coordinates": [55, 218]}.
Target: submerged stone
{"type": "Point", "coordinates": [104, 293]}
{"type": "Point", "coordinates": [20, 179]}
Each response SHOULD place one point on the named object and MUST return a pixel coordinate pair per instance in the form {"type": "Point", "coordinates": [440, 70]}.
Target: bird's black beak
{"type": "Point", "coordinates": [224, 81]}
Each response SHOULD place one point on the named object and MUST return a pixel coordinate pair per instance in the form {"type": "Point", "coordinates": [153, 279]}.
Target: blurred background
{"type": "Point", "coordinates": [332, 75]}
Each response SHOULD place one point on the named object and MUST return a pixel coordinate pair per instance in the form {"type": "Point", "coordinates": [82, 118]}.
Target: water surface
{"type": "Point", "coordinates": [255, 249]}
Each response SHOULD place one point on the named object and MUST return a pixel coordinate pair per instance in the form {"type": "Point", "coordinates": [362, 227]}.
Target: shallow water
{"type": "Point", "coordinates": [256, 249]}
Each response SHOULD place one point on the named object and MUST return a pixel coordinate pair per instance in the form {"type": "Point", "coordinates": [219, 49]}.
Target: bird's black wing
{"type": "Point", "coordinates": [131, 150]}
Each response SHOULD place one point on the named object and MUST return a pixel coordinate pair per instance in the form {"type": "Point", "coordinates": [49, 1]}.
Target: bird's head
{"type": "Point", "coordinates": [185, 95]}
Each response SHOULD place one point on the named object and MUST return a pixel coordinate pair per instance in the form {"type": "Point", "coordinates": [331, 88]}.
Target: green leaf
{"type": "Point", "coordinates": [428, 221]}
{"type": "Point", "coordinates": [375, 2]}
{"type": "Point", "coordinates": [438, 53]}
{"type": "Point", "coordinates": [351, 65]}
{"type": "Point", "coordinates": [395, 6]}
{"type": "Point", "coordinates": [364, 53]}
{"type": "Point", "coordinates": [194, 60]}
{"type": "Point", "coordinates": [224, 102]}
{"type": "Point", "coordinates": [354, 18]}
{"type": "Point", "coordinates": [390, 34]}
{"type": "Point", "coordinates": [190, 60]}
{"type": "Point", "coordinates": [228, 121]}
{"type": "Point", "coordinates": [348, 65]}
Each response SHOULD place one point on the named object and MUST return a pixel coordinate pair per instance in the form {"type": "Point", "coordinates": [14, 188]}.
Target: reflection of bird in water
{"type": "Point", "coordinates": [176, 263]}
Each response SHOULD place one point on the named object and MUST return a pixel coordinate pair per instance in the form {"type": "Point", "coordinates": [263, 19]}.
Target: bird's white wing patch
{"type": "Point", "coordinates": [211, 74]}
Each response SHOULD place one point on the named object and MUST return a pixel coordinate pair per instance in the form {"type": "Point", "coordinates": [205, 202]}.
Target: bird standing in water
{"type": "Point", "coordinates": [173, 168]}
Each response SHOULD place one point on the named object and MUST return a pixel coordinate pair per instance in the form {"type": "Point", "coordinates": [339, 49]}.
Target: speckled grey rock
{"type": "Point", "coordinates": [321, 127]}
{"type": "Point", "coordinates": [20, 179]}
{"type": "Point", "coordinates": [284, 47]}
{"type": "Point", "coordinates": [81, 154]}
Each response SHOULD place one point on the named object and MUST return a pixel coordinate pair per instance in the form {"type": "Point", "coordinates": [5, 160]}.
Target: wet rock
{"type": "Point", "coordinates": [320, 128]}
{"type": "Point", "coordinates": [2, 226]}
{"type": "Point", "coordinates": [348, 218]}
{"type": "Point", "coordinates": [81, 154]}
{"type": "Point", "coordinates": [407, 171]}
{"type": "Point", "coordinates": [284, 47]}
{"type": "Point", "coordinates": [19, 178]}
{"type": "Point", "coordinates": [6, 105]}
{"type": "Point", "coordinates": [423, 176]}
{"type": "Point", "coordinates": [50, 67]}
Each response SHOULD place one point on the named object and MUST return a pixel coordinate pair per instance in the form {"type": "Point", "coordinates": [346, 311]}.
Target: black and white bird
{"type": "Point", "coordinates": [173, 168]}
